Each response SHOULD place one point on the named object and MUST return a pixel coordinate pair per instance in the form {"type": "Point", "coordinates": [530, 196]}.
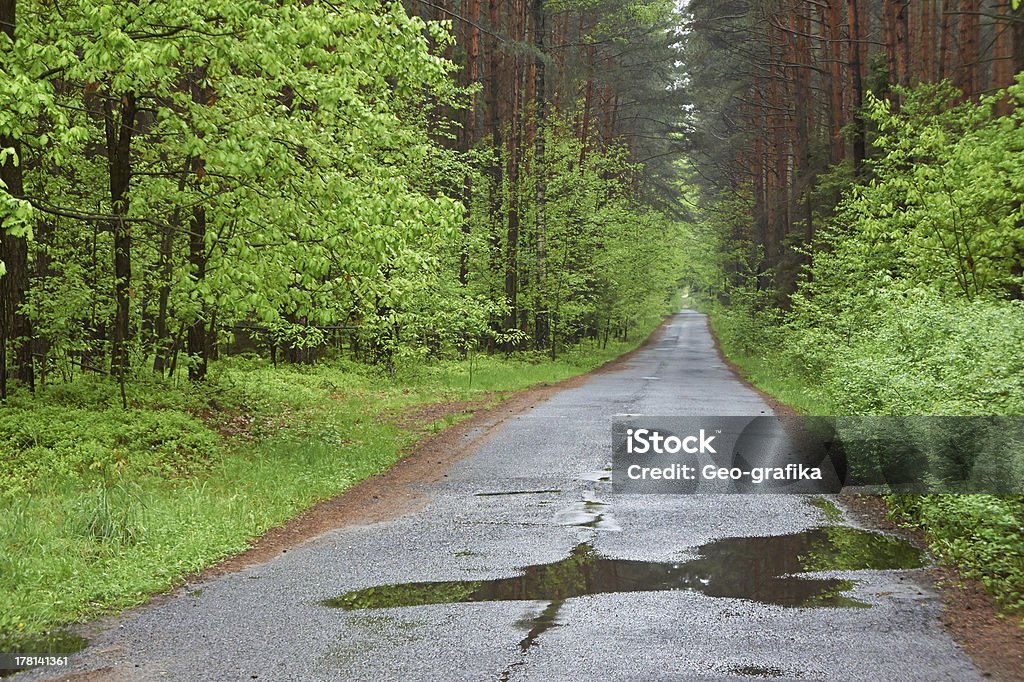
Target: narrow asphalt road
{"type": "Point", "coordinates": [622, 587]}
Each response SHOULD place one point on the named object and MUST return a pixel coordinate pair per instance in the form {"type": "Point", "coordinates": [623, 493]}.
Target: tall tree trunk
{"type": "Point", "coordinates": [543, 320]}
{"type": "Point", "coordinates": [1002, 64]}
{"type": "Point", "coordinates": [492, 129]}
{"type": "Point", "coordinates": [802, 134]}
{"type": "Point", "coordinates": [471, 9]}
{"type": "Point", "coordinates": [922, 48]}
{"type": "Point", "coordinates": [161, 344]}
{"type": "Point", "coordinates": [772, 152]}
{"type": "Point", "coordinates": [859, 145]}
{"type": "Point", "coordinates": [196, 343]}
{"type": "Point", "coordinates": [864, 21]}
{"type": "Point", "coordinates": [15, 326]}
{"type": "Point", "coordinates": [946, 41]}
{"type": "Point", "coordinates": [512, 76]}
{"type": "Point", "coordinates": [967, 74]}
{"type": "Point", "coordinates": [198, 347]}
{"type": "Point", "coordinates": [901, 36]}
{"type": "Point", "coordinates": [782, 152]}
{"type": "Point", "coordinates": [44, 234]}
{"type": "Point", "coordinates": [588, 102]}
{"type": "Point", "coordinates": [1018, 42]}
{"type": "Point", "coordinates": [120, 129]}
{"type": "Point", "coordinates": [833, 22]}
{"type": "Point", "coordinates": [889, 38]}
{"type": "Point", "coordinates": [762, 212]}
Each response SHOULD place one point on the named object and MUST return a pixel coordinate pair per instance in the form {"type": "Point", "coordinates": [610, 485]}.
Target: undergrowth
{"type": "Point", "coordinates": [918, 355]}
{"type": "Point", "coordinates": [101, 507]}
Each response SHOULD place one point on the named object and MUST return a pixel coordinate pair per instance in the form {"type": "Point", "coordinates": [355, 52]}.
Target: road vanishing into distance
{"type": "Point", "coordinates": [523, 565]}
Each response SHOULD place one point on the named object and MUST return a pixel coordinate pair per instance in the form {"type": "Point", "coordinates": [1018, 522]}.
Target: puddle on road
{"type": "Point", "coordinates": [60, 643]}
{"type": "Point", "coordinates": [760, 569]}
{"type": "Point", "coordinates": [589, 513]}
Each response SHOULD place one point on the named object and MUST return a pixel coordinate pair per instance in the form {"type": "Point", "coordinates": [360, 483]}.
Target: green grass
{"type": "Point", "coordinates": [101, 507]}
{"type": "Point", "coordinates": [763, 372]}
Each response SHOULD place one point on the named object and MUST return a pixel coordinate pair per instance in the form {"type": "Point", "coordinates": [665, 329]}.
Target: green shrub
{"type": "Point", "coordinates": [906, 308]}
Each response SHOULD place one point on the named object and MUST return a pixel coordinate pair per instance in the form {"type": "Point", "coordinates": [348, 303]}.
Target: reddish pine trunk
{"type": "Point", "coordinates": [1002, 64]}
{"type": "Point", "coordinates": [1018, 43]}
{"type": "Point", "coordinates": [515, 16]}
{"type": "Point", "coordinates": [897, 12]}
{"type": "Point", "coordinates": [832, 30]}
{"type": "Point", "coordinates": [945, 57]}
{"type": "Point", "coordinates": [967, 74]}
{"type": "Point", "coordinates": [854, 51]}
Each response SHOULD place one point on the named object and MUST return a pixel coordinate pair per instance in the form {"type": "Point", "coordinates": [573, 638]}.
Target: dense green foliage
{"type": "Point", "coordinates": [184, 172]}
{"type": "Point", "coordinates": [911, 305]}
{"type": "Point", "coordinates": [888, 320]}
{"type": "Point", "coordinates": [608, 260]}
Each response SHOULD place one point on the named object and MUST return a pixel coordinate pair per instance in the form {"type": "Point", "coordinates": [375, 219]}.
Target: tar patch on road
{"type": "Point", "coordinates": [759, 569]}
{"type": "Point", "coordinates": [516, 492]}
{"type": "Point", "coordinates": [757, 671]}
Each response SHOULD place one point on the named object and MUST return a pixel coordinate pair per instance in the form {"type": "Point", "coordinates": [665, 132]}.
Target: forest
{"type": "Point", "coordinates": [236, 234]}
{"type": "Point", "coordinates": [181, 175]}
{"type": "Point", "coordinates": [859, 171]}
{"type": "Point", "coordinates": [254, 227]}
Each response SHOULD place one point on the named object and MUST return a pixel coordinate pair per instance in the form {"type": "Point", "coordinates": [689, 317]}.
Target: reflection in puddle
{"type": "Point", "coordinates": [828, 508]}
{"type": "Point", "coordinates": [764, 570]}
{"type": "Point", "coordinates": [760, 569]}
{"type": "Point", "coordinates": [60, 643]}
{"type": "Point", "coordinates": [546, 619]}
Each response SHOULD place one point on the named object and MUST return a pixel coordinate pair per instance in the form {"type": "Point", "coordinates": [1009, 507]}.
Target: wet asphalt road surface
{"type": "Point", "coordinates": [624, 587]}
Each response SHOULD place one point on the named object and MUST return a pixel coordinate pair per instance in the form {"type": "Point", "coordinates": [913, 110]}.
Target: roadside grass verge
{"type": "Point", "coordinates": [101, 507]}
{"type": "Point", "coordinates": [762, 370]}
